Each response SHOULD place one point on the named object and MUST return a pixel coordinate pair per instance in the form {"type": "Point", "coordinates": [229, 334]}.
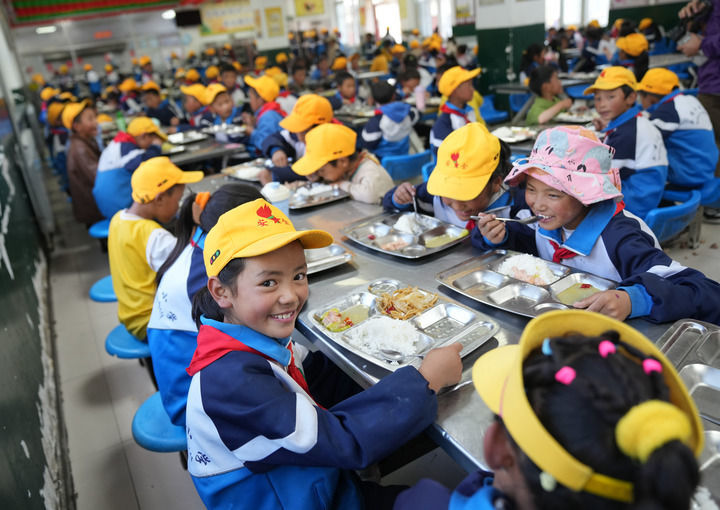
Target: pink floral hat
{"type": "Point", "coordinates": [571, 159]}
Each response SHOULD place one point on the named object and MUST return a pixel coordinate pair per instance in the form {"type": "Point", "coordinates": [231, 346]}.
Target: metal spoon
{"type": "Point", "coordinates": [524, 221]}
{"type": "Point", "coordinates": [392, 355]}
{"type": "Point", "coordinates": [415, 207]}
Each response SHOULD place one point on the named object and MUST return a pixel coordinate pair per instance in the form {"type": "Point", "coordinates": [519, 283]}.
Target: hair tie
{"type": "Point", "coordinates": [649, 426]}
{"type": "Point", "coordinates": [202, 198]}
{"type": "Point", "coordinates": [546, 348]}
{"type": "Point", "coordinates": [606, 348]}
{"type": "Point", "coordinates": [651, 365]}
{"type": "Point", "coordinates": [565, 375]}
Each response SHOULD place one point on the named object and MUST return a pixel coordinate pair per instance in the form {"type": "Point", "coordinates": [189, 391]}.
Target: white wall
{"type": "Point", "coordinates": [509, 13]}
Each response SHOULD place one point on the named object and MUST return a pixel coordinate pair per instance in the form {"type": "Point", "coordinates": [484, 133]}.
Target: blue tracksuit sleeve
{"type": "Point", "coordinates": [660, 288]}
{"type": "Point", "coordinates": [266, 424]}
{"type": "Point", "coordinates": [440, 130]}
{"type": "Point", "coordinates": [267, 125]}
{"type": "Point", "coordinates": [151, 152]}
{"type": "Point", "coordinates": [274, 142]}
{"type": "Point", "coordinates": [207, 120]}
{"type": "Point", "coordinates": [518, 237]}
{"type": "Point", "coordinates": [371, 135]}
{"type": "Point", "coordinates": [425, 200]}
{"type": "Point", "coordinates": [285, 174]}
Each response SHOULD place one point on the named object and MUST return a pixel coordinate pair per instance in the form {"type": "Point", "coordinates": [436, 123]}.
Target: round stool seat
{"type": "Point", "coordinates": [153, 430]}
{"type": "Point", "coordinates": [122, 344]}
{"type": "Point", "coordinates": [100, 229]}
{"type": "Point", "coordinates": [102, 290]}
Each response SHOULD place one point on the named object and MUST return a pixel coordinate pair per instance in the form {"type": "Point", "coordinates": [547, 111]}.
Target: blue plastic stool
{"type": "Point", "coordinates": [401, 168]}
{"type": "Point", "coordinates": [668, 222]}
{"type": "Point", "coordinates": [102, 290]}
{"type": "Point", "coordinates": [517, 101]}
{"type": "Point", "coordinates": [427, 169]}
{"type": "Point", "coordinates": [122, 344]}
{"type": "Point", "coordinates": [489, 113]}
{"type": "Point", "coordinates": [576, 91]}
{"type": "Point", "coordinates": [100, 229]}
{"type": "Point", "coordinates": [153, 430]}
{"type": "Point", "coordinates": [710, 194]}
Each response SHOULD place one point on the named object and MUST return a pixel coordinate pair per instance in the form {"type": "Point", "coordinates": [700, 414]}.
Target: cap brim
{"type": "Point", "coordinates": [456, 187]}
{"type": "Point", "coordinates": [490, 373]}
{"type": "Point", "coordinates": [161, 134]}
{"type": "Point", "coordinates": [294, 123]}
{"type": "Point", "coordinates": [307, 165]}
{"type": "Point", "coordinates": [190, 177]}
{"type": "Point", "coordinates": [309, 238]}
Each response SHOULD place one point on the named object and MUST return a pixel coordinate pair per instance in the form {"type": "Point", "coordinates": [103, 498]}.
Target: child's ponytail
{"type": "Point", "coordinates": [183, 231]}
{"type": "Point", "coordinates": [667, 480]}
{"type": "Point", "coordinates": [203, 303]}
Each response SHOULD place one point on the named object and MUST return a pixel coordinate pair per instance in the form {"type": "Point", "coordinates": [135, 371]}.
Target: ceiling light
{"type": "Point", "coordinates": [169, 14]}
{"type": "Point", "coordinates": [49, 29]}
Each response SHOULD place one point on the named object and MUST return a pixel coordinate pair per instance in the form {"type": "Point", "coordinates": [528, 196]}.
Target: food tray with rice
{"type": "Point", "coordinates": [249, 171]}
{"type": "Point", "coordinates": [694, 348]}
{"type": "Point", "coordinates": [392, 316]}
{"type": "Point", "coordinates": [576, 117]}
{"type": "Point", "coordinates": [315, 193]}
{"type": "Point", "coordinates": [405, 234]}
{"type": "Point", "coordinates": [320, 259]}
{"type": "Point", "coordinates": [228, 129]}
{"type": "Point", "coordinates": [521, 283]}
{"type": "Point", "coordinates": [514, 134]}
{"type": "Point", "coordinates": [185, 137]}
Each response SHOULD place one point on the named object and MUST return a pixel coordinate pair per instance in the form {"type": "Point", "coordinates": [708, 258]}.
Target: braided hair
{"type": "Point", "coordinates": [582, 416]}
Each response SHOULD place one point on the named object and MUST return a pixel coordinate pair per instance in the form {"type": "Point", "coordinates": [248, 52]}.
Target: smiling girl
{"type": "Point", "coordinates": [584, 224]}
{"type": "Point", "coordinates": [258, 434]}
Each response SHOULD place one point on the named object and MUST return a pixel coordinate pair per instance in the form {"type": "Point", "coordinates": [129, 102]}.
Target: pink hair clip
{"type": "Point", "coordinates": [651, 365]}
{"type": "Point", "coordinates": [606, 348]}
{"type": "Point", "coordinates": [565, 375]}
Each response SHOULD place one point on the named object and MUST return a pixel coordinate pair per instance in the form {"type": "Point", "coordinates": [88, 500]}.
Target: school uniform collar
{"type": "Point", "coordinates": [500, 199]}
{"type": "Point", "coordinates": [587, 233]}
{"type": "Point", "coordinates": [459, 111]}
{"type": "Point", "coordinates": [664, 100]}
{"type": "Point", "coordinates": [229, 120]}
{"type": "Point", "coordinates": [274, 348]}
{"type": "Point", "coordinates": [622, 119]}
{"type": "Point", "coordinates": [198, 238]}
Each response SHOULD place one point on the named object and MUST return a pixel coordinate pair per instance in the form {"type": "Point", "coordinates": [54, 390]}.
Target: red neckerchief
{"type": "Point", "coordinates": [123, 137]}
{"type": "Point", "coordinates": [470, 225]}
{"type": "Point", "coordinates": [271, 105]}
{"type": "Point", "coordinates": [563, 253]}
{"type": "Point", "coordinates": [446, 109]}
{"type": "Point", "coordinates": [213, 344]}
{"type": "Point", "coordinates": [378, 111]}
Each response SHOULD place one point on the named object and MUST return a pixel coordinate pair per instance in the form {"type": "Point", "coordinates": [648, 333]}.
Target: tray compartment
{"type": "Point", "coordinates": [709, 350]}
{"type": "Point", "coordinates": [681, 341]}
{"type": "Point", "coordinates": [445, 233]}
{"type": "Point", "coordinates": [519, 295]}
{"type": "Point", "coordinates": [557, 269]}
{"type": "Point", "coordinates": [317, 254]}
{"type": "Point", "coordinates": [481, 280]}
{"type": "Point", "coordinates": [443, 321]}
{"type": "Point", "coordinates": [549, 307]}
{"type": "Point", "coordinates": [358, 298]}
{"type": "Point", "coordinates": [384, 242]}
{"type": "Point", "coordinates": [710, 463]}
{"type": "Point", "coordinates": [476, 336]}
{"type": "Point", "coordinates": [379, 287]}
{"type": "Point", "coordinates": [423, 344]}
{"type": "Point", "coordinates": [703, 384]}
{"type": "Point", "coordinates": [578, 278]}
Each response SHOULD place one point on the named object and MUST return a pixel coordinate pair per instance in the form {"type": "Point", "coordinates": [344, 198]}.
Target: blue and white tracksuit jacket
{"type": "Point", "coordinates": [475, 492]}
{"type": "Point", "coordinates": [388, 132]}
{"type": "Point", "coordinates": [291, 145]}
{"type": "Point", "coordinates": [210, 119]}
{"type": "Point", "coordinates": [641, 157]}
{"type": "Point", "coordinates": [172, 333]}
{"type": "Point", "coordinates": [622, 248]}
{"type": "Point", "coordinates": [265, 125]}
{"type": "Point", "coordinates": [164, 113]}
{"type": "Point", "coordinates": [689, 139]}
{"type": "Point", "coordinates": [112, 190]}
{"type": "Point", "coordinates": [257, 440]}
{"type": "Point", "coordinates": [503, 205]}
{"type": "Point", "coordinates": [446, 123]}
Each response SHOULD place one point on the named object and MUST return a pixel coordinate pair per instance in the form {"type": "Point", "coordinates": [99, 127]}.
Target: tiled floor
{"type": "Point", "coordinates": [101, 393]}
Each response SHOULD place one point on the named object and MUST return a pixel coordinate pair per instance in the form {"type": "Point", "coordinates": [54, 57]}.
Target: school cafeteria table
{"type": "Point", "coordinates": [210, 149]}
{"type": "Point", "coordinates": [462, 416]}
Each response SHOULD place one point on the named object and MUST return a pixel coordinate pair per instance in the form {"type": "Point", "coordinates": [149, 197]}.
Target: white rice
{"type": "Point", "coordinates": [408, 224]}
{"type": "Point", "coordinates": [535, 270]}
{"type": "Point", "coordinates": [315, 189]}
{"type": "Point", "coordinates": [384, 333]}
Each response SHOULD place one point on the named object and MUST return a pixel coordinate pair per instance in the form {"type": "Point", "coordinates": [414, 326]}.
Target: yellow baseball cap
{"type": "Point", "coordinates": [104, 117]}
{"type": "Point", "coordinates": [309, 110]}
{"type": "Point", "coordinates": [134, 61]}
{"type": "Point", "coordinates": [659, 81]}
{"type": "Point", "coordinates": [612, 78]}
{"type": "Point", "coordinates": [71, 111]}
{"type": "Point", "coordinates": [291, 35]}
{"type": "Point", "coordinates": [87, 67]}
{"type": "Point", "coordinates": [128, 85]}
{"type": "Point", "coordinates": [180, 72]}
{"type": "Point", "coordinates": [572, 27]}
{"type": "Point", "coordinates": [633, 44]}
{"type": "Point", "coordinates": [192, 75]}
{"type": "Point", "coordinates": [156, 175]}
{"type": "Point", "coordinates": [67, 96]}
{"type": "Point", "coordinates": [465, 161]}
{"type": "Point", "coordinates": [415, 31]}
{"type": "Point", "coordinates": [150, 85]}
{"type": "Point", "coordinates": [54, 110]}
{"type": "Point", "coordinates": [594, 23]}
{"type": "Point", "coordinates": [173, 54]}
{"type": "Point", "coordinates": [145, 60]}
{"type": "Point", "coordinates": [618, 23]}
{"type": "Point", "coordinates": [210, 51]}
{"type": "Point", "coordinates": [414, 44]}
{"type": "Point", "coordinates": [212, 72]}
{"type": "Point", "coordinates": [237, 65]}
{"type": "Point", "coordinates": [278, 75]}
{"type": "Point", "coordinates": [195, 90]}
{"type": "Point", "coordinates": [645, 23]}
{"type": "Point", "coordinates": [379, 63]}
{"type": "Point", "coordinates": [38, 78]}
{"type": "Point", "coordinates": [323, 30]}
{"type": "Point", "coordinates": [108, 68]}
{"type": "Point", "coordinates": [212, 91]}
{"type": "Point", "coordinates": [227, 46]}
{"type": "Point", "coordinates": [260, 62]}
{"type": "Point", "coordinates": [144, 125]}
{"type": "Point", "coordinates": [498, 378]}
{"type": "Point", "coordinates": [63, 69]}
{"type": "Point", "coordinates": [398, 48]}
{"type": "Point", "coordinates": [191, 54]}
{"type": "Point", "coordinates": [265, 86]}
{"type": "Point", "coordinates": [325, 143]}
{"type": "Point", "coordinates": [339, 64]}
{"type": "Point", "coordinates": [253, 229]}
{"type": "Point", "coordinates": [48, 93]}
{"type": "Point", "coordinates": [453, 77]}
{"type": "Point", "coordinates": [281, 57]}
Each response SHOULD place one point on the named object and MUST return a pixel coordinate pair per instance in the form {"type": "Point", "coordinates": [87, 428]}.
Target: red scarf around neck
{"type": "Point", "coordinates": [446, 109]}
{"type": "Point", "coordinates": [271, 106]}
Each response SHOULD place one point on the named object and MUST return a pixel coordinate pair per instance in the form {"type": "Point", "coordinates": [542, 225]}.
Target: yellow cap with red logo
{"type": "Point", "coordinates": [613, 78]}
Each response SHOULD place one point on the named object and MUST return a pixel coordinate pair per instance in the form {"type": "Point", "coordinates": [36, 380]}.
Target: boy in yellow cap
{"type": "Point", "coordinates": [639, 149]}
{"type": "Point", "coordinates": [331, 155]}
{"type": "Point", "coordinates": [632, 53]}
{"type": "Point", "coordinates": [554, 443]}
{"type": "Point", "coordinates": [82, 159]}
{"type": "Point", "coordinates": [111, 75]}
{"type": "Point", "coordinates": [296, 437]}
{"type": "Point", "coordinates": [118, 161]}
{"type": "Point", "coordinates": [128, 96]}
{"type": "Point", "coordinates": [146, 70]}
{"type": "Point", "coordinates": [211, 74]}
{"type": "Point", "coordinates": [93, 80]}
{"type": "Point", "coordinates": [164, 110]}
{"type": "Point", "coordinates": [57, 137]}
{"type": "Point", "coordinates": [309, 111]}
{"type": "Point", "coordinates": [192, 76]}
{"type": "Point", "coordinates": [685, 126]}
{"type": "Point", "coordinates": [467, 180]}
{"type": "Point", "coordinates": [138, 245]}
{"type": "Point", "coordinates": [194, 105]}
{"type": "Point", "coordinates": [229, 78]}
{"type": "Point", "coordinates": [456, 84]}
{"type": "Point", "coordinates": [267, 113]}
{"type": "Point", "coordinates": [221, 111]}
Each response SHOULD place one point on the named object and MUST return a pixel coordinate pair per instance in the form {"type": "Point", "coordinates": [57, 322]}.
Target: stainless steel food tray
{"type": "Point", "coordinates": [443, 323]}
{"type": "Point", "coordinates": [299, 201]}
{"type": "Point", "coordinates": [185, 137]}
{"type": "Point", "coordinates": [320, 259]}
{"type": "Point", "coordinates": [229, 129]}
{"type": "Point", "coordinates": [479, 279]}
{"type": "Point", "coordinates": [379, 231]}
{"type": "Point", "coordinates": [249, 171]}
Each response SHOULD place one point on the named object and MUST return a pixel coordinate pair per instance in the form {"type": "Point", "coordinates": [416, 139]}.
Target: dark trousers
{"type": "Point", "coordinates": [711, 102]}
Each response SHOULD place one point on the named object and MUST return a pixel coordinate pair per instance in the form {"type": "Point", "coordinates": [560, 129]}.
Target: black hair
{"type": "Point", "coordinates": [226, 198]}
{"type": "Point", "coordinates": [227, 68]}
{"type": "Point", "coordinates": [411, 73]}
{"type": "Point", "coordinates": [593, 33]}
{"type": "Point", "coordinates": [627, 27]}
{"type": "Point", "coordinates": [627, 90]}
{"type": "Point", "coordinates": [341, 76]}
{"type": "Point", "coordinates": [449, 64]}
{"type": "Point", "coordinates": [582, 417]}
{"type": "Point", "coordinates": [151, 91]}
{"type": "Point", "coordinates": [640, 65]}
{"type": "Point", "coordinates": [462, 49]}
{"type": "Point", "coordinates": [298, 66]}
{"type": "Point", "coordinates": [203, 302]}
{"type": "Point", "coordinates": [539, 76]}
{"type": "Point", "coordinates": [382, 92]}
{"type": "Point", "coordinates": [529, 54]}
{"type": "Point", "coordinates": [410, 60]}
